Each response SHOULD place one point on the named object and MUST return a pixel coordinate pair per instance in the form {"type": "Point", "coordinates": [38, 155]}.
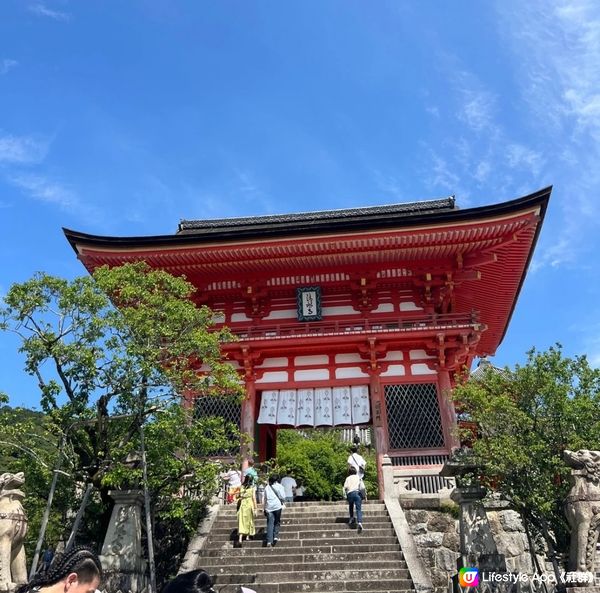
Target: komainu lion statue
{"type": "Point", "coordinates": [582, 507]}
{"type": "Point", "coordinates": [13, 527]}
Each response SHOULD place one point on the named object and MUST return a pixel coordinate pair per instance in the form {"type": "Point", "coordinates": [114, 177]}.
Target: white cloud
{"type": "Point", "coordinates": [44, 190]}
{"type": "Point", "coordinates": [556, 47]}
{"type": "Point", "coordinates": [391, 185]}
{"type": "Point", "coordinates": [246, 182]}
{"type": "Point", "coordinates": [22, 150]}
{"type": "Point", "coordinates": [482, 171]}
{"type": "Point", "coordinates": [433, 111]}
{"type": "Point", "coordinates": [21, 158]}
{"type": "Point", "coordinates": [7, 64]}
{"type": "Point", "coordinates": [443, 175]}
{"type": "Point", "coordinates": [444, 180]}
{"type": "Point", "coordinates": [591, 344]}
{"type": "Point", "coordinates": [477, 105]}
{"type": "Point", "coordinates": [476, 155]}
{"type": "Point", "coordinates": [40, 9]}
{"type": "Point", "coordinates": [588, 337]}
{"type": "Point", "coordinates": [522, 157]}
{"type": "Point", "coordinates": [477, 109]}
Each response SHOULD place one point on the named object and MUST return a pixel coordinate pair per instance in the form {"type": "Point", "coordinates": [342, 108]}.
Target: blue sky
{"type": "Point", "coordinates": [121, 118]}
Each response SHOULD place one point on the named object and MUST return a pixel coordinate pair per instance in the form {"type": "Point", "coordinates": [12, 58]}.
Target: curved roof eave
{"type": "Point", "coordinates": [298, 226]}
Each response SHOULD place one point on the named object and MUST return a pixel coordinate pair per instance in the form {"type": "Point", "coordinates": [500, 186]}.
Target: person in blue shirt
{"type": "Point", "coordinates": [47, 558]}
{"type": "Point", "coordinates": [273, 499]}
{"type": "Point", "coordinates": [251, 471]}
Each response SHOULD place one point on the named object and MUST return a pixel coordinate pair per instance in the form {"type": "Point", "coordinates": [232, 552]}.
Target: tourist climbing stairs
{"type": "Point", "coordinates": [317, 552]}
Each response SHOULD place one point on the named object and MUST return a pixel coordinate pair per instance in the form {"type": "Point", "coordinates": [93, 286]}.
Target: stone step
{"type": "Point", "coordinates": [341, 587]}
{"type": "Point", "coordinates": [332, 510]}
{"type": "Point", "coordinates": [301, 531]}
{"type": "Point", "coordinates": [268, 566]}
{"type": "Point", "coordinates": [312, 576]}
{"type": "Point", "coordinates": [345, 586]}
{"type": "Point", "coordinates": [292, 559]}
{"type": "Point", "coordinates": [322, 503]}
{"type": "Point", "coordinates": [320, 511]}
{"type": "Point", "coordinates": [318, 552]}
{"type": "Point", "coordinates": [338, 547]}
{"type": "Point", "coordinates": [350, 539]}
{"type": "Point", "coordinates": [234, 588]}
{"type": "Point", "coordinates": [312, 517]}
{"type": "Point", "coordinates": [222, 523]}
{"type": "Point", "coordinates": [310, 508]}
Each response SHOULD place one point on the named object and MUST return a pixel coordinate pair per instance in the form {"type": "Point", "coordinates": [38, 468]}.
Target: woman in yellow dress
{"type": "Point", "coordinates": [246, 509]}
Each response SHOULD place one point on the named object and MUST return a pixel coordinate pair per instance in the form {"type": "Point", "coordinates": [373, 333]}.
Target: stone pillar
{"type": "Point", "coordinates": [247, 421]}
{"type": "Point", "coordinates": [477, 545]}
{"type": "Point", "coordinates": [379, 427]}
{"type": "Point", "coordinates": [388, 478]}
{"type": "Point", "coordinates": [448, 414]}
{"type": "Point", "coordinates": [122, 555]}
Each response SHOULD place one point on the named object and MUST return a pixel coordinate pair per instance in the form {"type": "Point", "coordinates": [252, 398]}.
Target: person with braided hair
{"type": "Point", "coordinates": [195, 581]}
{"type": "Point", "coordinates": [77, 571]}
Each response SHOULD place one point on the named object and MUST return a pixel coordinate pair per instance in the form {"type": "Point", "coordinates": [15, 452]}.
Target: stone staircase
{"type": "Point", "coordinates": [317, 552]}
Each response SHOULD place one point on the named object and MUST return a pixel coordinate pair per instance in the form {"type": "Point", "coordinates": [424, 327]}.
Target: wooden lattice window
{"type": "Point", "coordinates": [226, 408]}
{"type": "Point", "coordinates": [413, 415]}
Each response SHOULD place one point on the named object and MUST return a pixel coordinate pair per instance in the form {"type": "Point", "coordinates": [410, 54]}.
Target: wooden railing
{"type": "Point", "coordinates": [355, 326]}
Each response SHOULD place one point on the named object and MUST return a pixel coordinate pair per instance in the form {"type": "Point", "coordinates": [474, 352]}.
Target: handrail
{"type": "Point", "coordinates": [350, 326]}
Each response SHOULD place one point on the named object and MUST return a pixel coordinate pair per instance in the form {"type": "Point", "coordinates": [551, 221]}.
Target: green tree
{"type": "Point", "coordinates": [319, 458]}
{"type": "Point", "coordinates": [524, 419]}
{"type": "Point", "coordinates": [28, 444]}
{"type": "Point", "coordinates": [108, 353]}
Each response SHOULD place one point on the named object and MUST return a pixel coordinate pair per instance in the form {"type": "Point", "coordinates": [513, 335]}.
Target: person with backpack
{"type": "Point", "coordinates": [273, 504]}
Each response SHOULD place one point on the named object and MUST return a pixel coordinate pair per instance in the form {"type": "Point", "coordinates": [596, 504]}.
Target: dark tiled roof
{"type": "Point", "coordinates": [306, 224]}
{"type": "Point", "coordinates": [485, 366]}
{"type": "Point", "coordinates": [330, 216]}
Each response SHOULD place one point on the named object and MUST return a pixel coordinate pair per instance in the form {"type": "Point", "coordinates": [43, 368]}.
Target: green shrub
{"type": "Point", "coordinates": [318, 458]}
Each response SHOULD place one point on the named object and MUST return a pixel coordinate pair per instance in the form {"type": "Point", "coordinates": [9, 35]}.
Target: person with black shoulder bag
{"type": "Point", "coordinates": [357, 461]}
{"type": "Point", "coordinates": [273, 504]}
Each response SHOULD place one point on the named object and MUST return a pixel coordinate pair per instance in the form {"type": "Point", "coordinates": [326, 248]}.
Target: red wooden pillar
{"type": "Point", "coordinates": [247, 421]}
{"type": "Point", "coordinates": [379, 426]}
{"type": "Point", "coordinates": [447, 412]}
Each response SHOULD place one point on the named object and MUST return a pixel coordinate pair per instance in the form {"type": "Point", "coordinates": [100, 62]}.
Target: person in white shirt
{"type": "Point", "coordinates": [352, 491]}
{"type": "Point", "coordinates": [273, 499]}
{"type": "Point", "coordinates": [289, 485]}
{"type": "Point", "coordinates": [357, 461]}
{"type": "Point", "coordinates": [233, 480]}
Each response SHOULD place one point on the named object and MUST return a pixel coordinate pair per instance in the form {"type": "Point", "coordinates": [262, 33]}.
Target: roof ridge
{"type": "Point", "coordinates": [407, 207]}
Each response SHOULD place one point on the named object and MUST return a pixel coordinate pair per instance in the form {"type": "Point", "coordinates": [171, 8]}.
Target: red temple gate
{"type": "Point", "coordinates": [352, 317]}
